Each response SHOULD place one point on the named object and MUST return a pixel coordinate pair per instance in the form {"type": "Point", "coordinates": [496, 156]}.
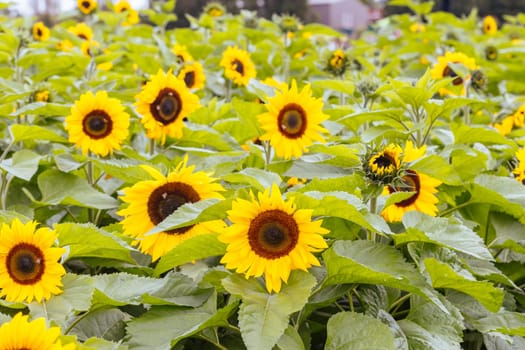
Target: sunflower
{"type": "Point", "coordinates": [214, 9]}
{"type": "Point", "coordinates": [442, 70]}
{"type": "Point", "coordinates": [42, 95]}
{"type": "Point", "coordinates": [122, 6]}
{"type": "Point", "coordinates": [65, 45]}
{"type": "Point", "coordinates": [423, 199]}
{"type": "Point", "coordinates": [293, 120]}
{"type": "Point", "coordinates": [163, 103]}
{"type": "Point", "coordinates": [29, 267]}
{"type": "Point", "coordinates": [384, 165]}
{"type": "Point", "coordinates": [152, 201]}
{"type": "Point", "coordinates": [491, 53]}
{"type": "Point", "coordinates": [519, 170]}
{"type": "Point", "coordinates": [270, 236]}
{"type": "Point", "coordinates": [82, 30]}
{"type": "Point", "coordinates": [87, 6]}
{"type": "Point", "coordinates": [182, 54]}
{"type": "Point", "coordinates": [417, 27]}
{"type": "Point", "coordinates": [490, 25]}
{"type": "Point", "coordinates": [506, 125]}
{"type": "Point", "coordinates": [337, 63]}
{"type": "Point", "coordinates": [19, 333]}
{"type": "Point", "coordinates": [40, 31]}
{"type": "Point", "coordinates": [238, 65]}
{"type": "Point", "coordinates": [97, 123]}
{"type": "Point", "coordinates": [132, 18]}
{"type": "Point", "coordinates": [193, 75]}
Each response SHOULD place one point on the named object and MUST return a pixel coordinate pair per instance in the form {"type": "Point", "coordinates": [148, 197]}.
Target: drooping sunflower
{"type": "Point", "coordinates": [383, 166]}
{"type": "Point", "coordinates": [151, 201]}
{"type": "Point", "coordinates": [423, 199]}
{"type": "Point", "coordinates": [271, 236]}
{"type": "Point", "coordinates": [82, 30]}
{"type": "Point", "coordinates": [163, 103]}
{"type": "Point", "coordinates": [19, 333]}
{"type": "Point", "coordinates": [490, 25]}
{"type": "Point", "coordinates": [87, 6]}
{"type": "Point", "coordinates": [40, 31]}
{"type": "Point", "coordinates": [193, 75]}
{"type": "Point", "coordinates": [97, 123]}
{"type": "Point", "coordinates": [292, 122]}
{"type": "Point", "coordinates": [182, 54]}
{"type": "Point", "coordinates": [214, 9]}
{"type": "Point", "coordinates": [29, 267]}
{"type": "Point", "coordinates": [238, 65]}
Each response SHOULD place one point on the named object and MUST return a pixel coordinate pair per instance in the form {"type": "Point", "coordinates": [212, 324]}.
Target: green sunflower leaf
{"type": "Point", "coordinates": [429, 327]}
{"type": "Point", "coordinates": [437, 167]}
{"type": "Point", "coordinates": [350, 330]}
{"type": "Point", "coordinates": [263, 317]}
{"type": "Point", "coordinates": [163, 326]}
{"type": "Point", "coordinates": [101, 344]}
{"type": "Point", "coordinates": [344, 86]}
{"type": "Point", "coordinates": [464, 134]}
{"type": "Point", "coordinates": [89, 241]}
{"type": "Point", "coordinates": [443, 276]}
{"type": "Point", "coordinates": [194, 248]}
{"type": "Point", "coordinates": [256, 178]}
{"type": "Point", "coordinates": [23, 164]}
{"type": "Point", "coordinates": [21, 132]}
{"type": "Point", "coordinates": [43, 108]}
{"type": "Point", "coordinates": [78, 291]}
{"type": "Point", "coordinates": [365, 262]}
{"type": "Point", "coordinates": [73, 190]}
{"type": "Point", "coordinates": [506, 322]}
{"type": "Point", "coordinates": [290, 340]}
{"type": "Point", "coordinates": [445, 232]}
{"type": "Point", "coordinates": [103, 323]}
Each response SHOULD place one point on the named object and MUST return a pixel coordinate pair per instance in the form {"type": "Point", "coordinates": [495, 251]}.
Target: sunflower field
{"type": "Point", "coordinates": [258, 184]}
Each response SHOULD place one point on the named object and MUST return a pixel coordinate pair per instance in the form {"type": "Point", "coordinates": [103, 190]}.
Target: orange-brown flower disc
{"type": "Point", "coordinates": [25, 264]}
{"type": "Point", "coordinates": [97, 124]}
{"type": "Point", "coordinates": [292, 121]}
{"type": "Point", "coordinates": [167, 106]}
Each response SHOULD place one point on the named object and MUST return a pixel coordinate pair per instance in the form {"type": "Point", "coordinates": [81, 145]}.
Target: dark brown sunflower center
{"type": "Point", "coordinates": [292, 121]}
{"type": "Point", "coordinates": [411, 183]}
{"type": "Point", "coordinates": [238, 67]}
{"type": "Point", "coordinates": [39, 32]}
{"type": "Point", "coordinates": [167, 106]}
{"type": "Point", "coordinates": [383, 161]}
{"type": "Point", "coordinates": [273, 234]}
{"type": "Point", "coordinates": [189, 79]}
{"type": "Point", "coordinates": [448, 72]}
{"type": "Point", "coordinates": [86, 4]}
{"type": "Point", "coordinates": [82, 36]}
{"type": "Point", "coordinates": [523, 182]}
{"type": "Point", "coordinates": [25, 264]}
{"type": "Point", "coordinates": [167, 198]}
{"type": "Point", "coordinates": [97, 124]}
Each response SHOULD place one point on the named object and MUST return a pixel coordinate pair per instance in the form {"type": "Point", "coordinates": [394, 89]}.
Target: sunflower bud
{"type": "Point", "coordinates": [479, 79]}
{"type": "Point", "coordinates": [383, 166]}
{"type": "Point", "coordinates": [337, 63]}
{"type": "Point", "coordinates": [491, 53]}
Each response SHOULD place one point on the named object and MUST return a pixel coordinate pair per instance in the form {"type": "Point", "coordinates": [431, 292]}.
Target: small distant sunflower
{"type": "Point", "coordinates": [29, 267]}
{"type": "Point", "coordinates": [337, 63]}
{"type": "Point", "coordinates": [287, 23]}
{"type": "Point", "coordinates": [151, 201]}
{"type": "Point", "coordinates": [193, 75]}
{"type": "Point", "coordinates": [423, 199]}
{"type": "Point", "coordinates": [97, 123]}
{"type": "Point", "coordinates": [238, 65]}
{"type": "Point", "coordinates": [271, 236]}
{"type": "Point", "coordinates": [383, 166]}
{"type": "Point", "coordinates": [65, 45]}
{"type": "Point", "coordinates": [442, 70]}
{"type": "Point", "coordinates": [19, 333]}
{"type": "Point", "coordinates": [40, 31]}
{"type": "Point", "coordinates": [42, 95]}
{"type": "Point", "coordinates": [87, 6]}
{"type": "Point", "coordinates": [214, 9]}
{"type": "Point", "coordinates": [491, 53]}
{"type": "Point", "coordinates": [82, 30]}
{"type": "Point", "coordinates": [182, 54]}
{"type": "Point", "coordinates": [519, 170]}
{"type": "Point", "coordinates": [293, 120]}
{"type": "Point", "coordinates": [122, 6]}
{"type": "Point", "coordinates": [132, 18]}
{"type": "Point", "coordinates": [163, 103]}
{"type": "Point", "coordinates": [417, 27]}
{"type": "Point", "coordinates": [490, 25]}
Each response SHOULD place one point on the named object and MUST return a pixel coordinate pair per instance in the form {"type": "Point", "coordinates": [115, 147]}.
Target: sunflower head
{"type": "Point", "coordinates": [271, 237]}
{"type": "Point", "coordinates": [65, 45]}
{"type": "Point", "coordinates": [214, 9]}
{"type": "Point", "coordinates": [337, 63]}
{"type": "Point", "coordinates": [443, 69]}
{"type": "Point", "coordinates": [87, 6]}
{"type": "Point", "coordinates": [292, 122]}
{"type": "Point", "coordinates": [29, 267]}
{"type": "Point", "coordinates": [238, 65]}
{"type": "Point", "coordinates": [20, 333]}
{"type": "Point", "coordinates": [122, 6]}
{"type": "Point", "coordinates": [422, 197]}
{"type": "Point", "coordinates": [41, 95]}
{"type": "Point", "coordinates": [151, 201]}
{"type": "Point", "coordinates": [519, 169]}
{"type": "Point", "coordinates": [193, 75]}
{"type": "Point", "coordinates": [478, 79]}
{"type": "Point", "coordinates": [287, 23]}
{"type": "Point", "coordinates": [491, 53]}
{"type": "Point", "coordinates": [40, 31]}
{"type": "Point", "coordinates": [163, 103]}
{"type": "Point", "coordinates": [181, 53]}
{"type": "Point", "coordinates": [82, 30]}
{"type": "Point", "coordinates": [417, 27]}
{"type": "Point", "coordinates": [489, 25]}
{"type": "Point", "coordinates": [97, 123]}
{"type": "Point", "coordinates": [383, 166]}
